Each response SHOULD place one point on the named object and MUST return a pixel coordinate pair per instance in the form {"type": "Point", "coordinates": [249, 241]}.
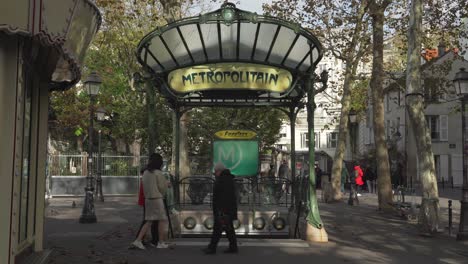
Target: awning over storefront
{"type": "Point", "coordinates": [263, 59]}
{"type": "Point", "coordinates": [66, 27]}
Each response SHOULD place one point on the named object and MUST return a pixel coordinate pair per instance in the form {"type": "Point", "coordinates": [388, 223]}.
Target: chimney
{"type": "Point", "coordinates": [441, 49]}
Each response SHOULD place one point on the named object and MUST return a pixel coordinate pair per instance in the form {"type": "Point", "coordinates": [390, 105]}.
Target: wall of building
{"type": "Point", "coordinates": [8, 57]}
{"type": "Point", "coordinates": [24, 98]}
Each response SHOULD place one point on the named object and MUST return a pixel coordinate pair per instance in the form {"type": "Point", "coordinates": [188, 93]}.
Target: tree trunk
{"type": "Point", "coordinates": [354, 54]}
{"type": "Point", "coordinates": [341, 145]}
{"type": "Point", "coordinates": [429, 212]}
{"type": "Point", "coordinates": [383, 169]}
{"type": "Point", "coordinates": [151, 108]}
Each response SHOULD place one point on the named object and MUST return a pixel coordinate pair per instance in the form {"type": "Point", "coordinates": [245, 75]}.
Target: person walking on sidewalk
{"type": "Point", "coordinates": [369, 176]}
{"type": "Point", "coordinates": [154, 224]}
{"type": "Point", "coordinates": [224, 210]}
{"type": "Point", "coordinates": [358, 178]}
{"type": "Point", "coordinates": [155, 187]}
{"type": "Point", "coordinates": [344, 176]}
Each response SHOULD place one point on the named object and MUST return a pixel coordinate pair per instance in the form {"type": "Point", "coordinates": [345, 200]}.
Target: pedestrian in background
{"type": "Point", "coordinates": [155, 187]}
{"type": "Point", "coordinates": [318, 176]}
{"type": "Point", "coordinates": [154, 224]}
{"type": "Point", "coordinates": [369, 177]}
{"type": "Point", "coordinates": [224, 210]}
{"type": "Point", "coordinates": [358, 173]}
{"type": "Point", "coordinates": [344, 176]}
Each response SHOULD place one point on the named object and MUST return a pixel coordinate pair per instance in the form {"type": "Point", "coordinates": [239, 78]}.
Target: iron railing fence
{"type": "Point", "coordinates": [111, 165]}
{"type": "Point", "coordinates": [198, 191]}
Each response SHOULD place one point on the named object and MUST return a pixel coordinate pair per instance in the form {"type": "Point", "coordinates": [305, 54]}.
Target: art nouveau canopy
{"type": "Point", "coordinates": [230, 56]}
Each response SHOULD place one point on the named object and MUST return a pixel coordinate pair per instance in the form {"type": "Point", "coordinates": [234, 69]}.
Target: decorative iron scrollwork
{"type": "Point", "coordinates": [198, 189]}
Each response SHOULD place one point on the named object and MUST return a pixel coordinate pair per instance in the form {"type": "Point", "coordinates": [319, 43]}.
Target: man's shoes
{"type": "Point", "coordinates": [231, 251]}
{"type": "Point", "coordinates": [209, 251]}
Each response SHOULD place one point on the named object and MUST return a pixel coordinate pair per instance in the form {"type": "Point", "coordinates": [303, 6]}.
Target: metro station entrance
{"type": "Point", "coordinates": [234, 58]}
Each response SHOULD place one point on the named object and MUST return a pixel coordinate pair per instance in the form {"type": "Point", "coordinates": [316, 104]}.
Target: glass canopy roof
{"type": "Point", "coordinates": [230, 35]}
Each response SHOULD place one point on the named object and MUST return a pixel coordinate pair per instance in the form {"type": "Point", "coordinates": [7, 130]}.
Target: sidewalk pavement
{"type": "Point", "coordinates": [357, 234]}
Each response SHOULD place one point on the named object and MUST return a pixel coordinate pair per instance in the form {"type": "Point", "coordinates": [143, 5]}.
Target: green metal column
{"type": "Point", "coordinates": [177, 116]}
{"type": "Point", "coordinates": [295, 189]}
{"type": "Point", "coordinates": [313, 217]}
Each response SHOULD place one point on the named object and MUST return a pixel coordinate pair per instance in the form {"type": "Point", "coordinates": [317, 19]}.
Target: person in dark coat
{"type": "Point", "coordinates": [224, 210]}
{"type": "Point", "coordinates": [370, 178]}
{"type": "Point", "coordinates": [318, 176]}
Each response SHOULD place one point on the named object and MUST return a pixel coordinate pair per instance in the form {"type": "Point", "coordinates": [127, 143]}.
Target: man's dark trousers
{"type": "Point", "coordinates": [223, 223]}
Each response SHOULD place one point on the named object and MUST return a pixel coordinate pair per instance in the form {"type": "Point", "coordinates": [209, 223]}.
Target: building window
{"type": "Point", "coordinates": [317, 140]}
{"type": "Point", "coordinates": [438, 126]}
{"type": "Point", "coordinates": [304, 140]}
{"type": "Point", "coordinates": [332, 140]}
{"type": "Point", "coordinates": [431, 93]}
{"type": "Point", "coordinates": [433, 125]}
{"type": "Point", "coordinates": [25, 166]}
{"type": "Point", "coordinates": [437, 166]}
{"type": "Point", "coordinates": [282, 135]}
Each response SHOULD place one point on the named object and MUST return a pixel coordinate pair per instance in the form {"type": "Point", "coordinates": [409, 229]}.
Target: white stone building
{"type": "Point", "coordinates": [442, 115]}
{"type": "Point", "coordinates": [326, 118]}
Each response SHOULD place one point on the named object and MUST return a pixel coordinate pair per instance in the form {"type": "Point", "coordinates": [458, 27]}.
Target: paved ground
{"type": "Point", "coordinates": [358, 234]}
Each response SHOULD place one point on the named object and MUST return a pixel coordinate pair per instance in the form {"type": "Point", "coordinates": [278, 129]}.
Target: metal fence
{"type": "Point", "coordinates": [197, 191]}
{"type": "Point", "coordinates": [67, 173]}
{"type": "Point", "coordinates": [111, 165]}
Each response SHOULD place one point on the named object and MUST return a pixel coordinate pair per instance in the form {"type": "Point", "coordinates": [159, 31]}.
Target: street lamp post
{"type": "Point", "coordinates": [100, 114]}
{"type": "Point", "coordinates": [461, 85]}
{"type": "Point", "coordinates": [352, 121]}
{"type": "Point", "coordinates": [88, 215]}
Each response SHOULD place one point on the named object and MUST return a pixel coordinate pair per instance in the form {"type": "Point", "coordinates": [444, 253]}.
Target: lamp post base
{"type": "Point", "coordinates": [353, 197]}
{"type": "Point", "coordinates": [463, 229]}
{"type": "Point", "coordinates": [88, 215]}
{"type": "Point", "coordinates": [314, 234]}
{"type": "Point", "coordinates": [99, 195]}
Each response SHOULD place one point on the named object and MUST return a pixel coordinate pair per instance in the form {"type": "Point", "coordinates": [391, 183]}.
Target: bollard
{"type": "Point", "coordinates": [450, 216]}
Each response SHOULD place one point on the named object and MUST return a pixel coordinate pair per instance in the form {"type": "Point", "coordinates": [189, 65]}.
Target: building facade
{"type": "Point", "coordinates": [443, 118]}
{"type": "Point", "coordinates": [326, 118]}
{"type": "Point", "coordinates": [42, 44]}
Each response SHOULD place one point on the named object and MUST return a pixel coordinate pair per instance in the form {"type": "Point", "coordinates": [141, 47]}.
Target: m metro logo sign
{"type": "Point", "coordinates": [237, 150]}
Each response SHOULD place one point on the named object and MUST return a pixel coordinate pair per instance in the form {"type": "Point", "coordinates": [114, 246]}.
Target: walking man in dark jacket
{"type": "Point", "coordinates": [224, 210]}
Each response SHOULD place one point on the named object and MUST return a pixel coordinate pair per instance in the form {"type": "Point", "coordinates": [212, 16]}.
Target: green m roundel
{"type": "Point", "coordinates": [239, 156]}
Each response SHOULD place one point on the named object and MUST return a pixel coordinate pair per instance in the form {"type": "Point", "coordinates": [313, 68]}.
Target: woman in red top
{"type": "Point", "coordinates": [358, 173]}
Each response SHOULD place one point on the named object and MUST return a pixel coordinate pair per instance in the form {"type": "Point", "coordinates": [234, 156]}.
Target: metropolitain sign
{"type": "Point", "coordinates": [233, 76]}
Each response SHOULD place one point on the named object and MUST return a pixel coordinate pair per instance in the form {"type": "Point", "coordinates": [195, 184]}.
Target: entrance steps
{"type": "Point", "coordinates": [245, 242]}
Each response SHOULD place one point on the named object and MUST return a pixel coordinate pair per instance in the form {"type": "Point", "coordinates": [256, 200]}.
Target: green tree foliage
{"type": "Point", "coordinates": [266, 122]}
{"type": "Point", "coordinates": [343, 29]}
{"type": "Point", "coordinates": [112, 55]}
